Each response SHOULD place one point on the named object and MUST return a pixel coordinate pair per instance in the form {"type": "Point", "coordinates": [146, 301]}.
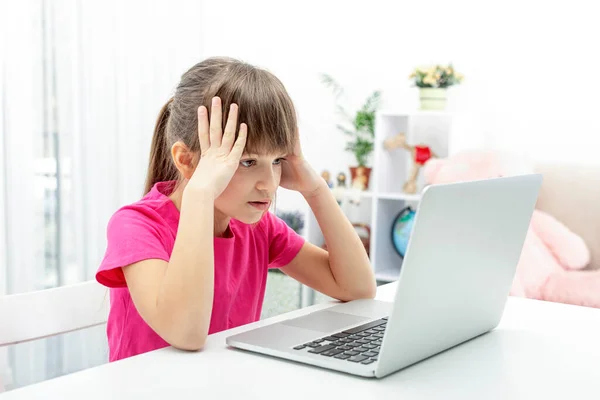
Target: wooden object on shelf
{"type": "Point", "coordinates": [420, 154]}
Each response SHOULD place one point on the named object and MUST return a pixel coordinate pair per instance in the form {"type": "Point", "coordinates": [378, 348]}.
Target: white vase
{"type": "Point", "coordinates": [433, 98]}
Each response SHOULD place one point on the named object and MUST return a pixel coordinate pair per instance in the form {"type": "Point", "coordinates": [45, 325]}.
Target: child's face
{"type": "Point", "coordinates": [252, 188]}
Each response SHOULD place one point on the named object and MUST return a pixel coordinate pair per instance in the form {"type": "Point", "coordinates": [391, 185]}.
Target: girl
{"type": "Point", "coordinates": [191, 257]}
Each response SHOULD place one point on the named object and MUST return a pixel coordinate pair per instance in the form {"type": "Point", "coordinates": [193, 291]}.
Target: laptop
{"type": "Point", "coordinates": [453, 285]}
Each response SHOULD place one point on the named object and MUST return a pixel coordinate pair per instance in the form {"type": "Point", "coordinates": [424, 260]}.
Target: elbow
{"type": "Point", "coordinates": [193, 340]}
{"type": "Point", "coordinates": [367, 291]}
{"type": "Point", "coordinates": [189, 343]}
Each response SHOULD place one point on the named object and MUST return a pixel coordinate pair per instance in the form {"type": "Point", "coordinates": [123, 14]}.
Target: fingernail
{"type": "Point", "coordinates": [215, 101]}
{"type": "Point", "coordinates": [202, 110]}
{"type": "Point", "coordinates": [233, 106]}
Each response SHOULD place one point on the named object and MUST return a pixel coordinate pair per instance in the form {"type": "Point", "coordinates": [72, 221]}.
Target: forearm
{"type": "Point", "coordinates": [348, 260]}
{"type": "Point", "coordinates": [186, 295]}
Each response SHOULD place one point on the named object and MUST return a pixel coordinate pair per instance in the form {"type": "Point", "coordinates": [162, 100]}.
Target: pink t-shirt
{"type": "Point", "coordinates": [146, 229]}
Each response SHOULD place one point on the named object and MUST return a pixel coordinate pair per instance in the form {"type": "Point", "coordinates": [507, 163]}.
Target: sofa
{"type": "Point", "coordinates": [571, 193]}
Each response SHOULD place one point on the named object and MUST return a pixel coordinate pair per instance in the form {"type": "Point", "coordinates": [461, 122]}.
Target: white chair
{"type": "Point", "coordinates": [36, 315]}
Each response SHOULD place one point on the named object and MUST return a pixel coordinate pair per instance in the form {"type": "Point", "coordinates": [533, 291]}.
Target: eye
{"type": "Point", "coordinates": [278, 161]}
{"type": "Point", "coordinates": [248, 163]}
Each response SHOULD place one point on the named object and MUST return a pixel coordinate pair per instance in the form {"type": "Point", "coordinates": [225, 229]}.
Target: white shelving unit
{"type": "Point", "coordinates": [379, 206]}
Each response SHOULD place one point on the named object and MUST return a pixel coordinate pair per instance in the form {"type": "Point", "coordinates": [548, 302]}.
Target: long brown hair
{"type": "Point", "coordinates": [264, 105]}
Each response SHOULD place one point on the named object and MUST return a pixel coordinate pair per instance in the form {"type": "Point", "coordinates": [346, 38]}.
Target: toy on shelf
{"type": "Point", "coordinates": [420, 154]}
{"type": "Point", "coordinates": [341, 179]}
{"type": "Point", "coordinates": [326, 176]}
{"type": "Point", "coordinates": [360, 181]}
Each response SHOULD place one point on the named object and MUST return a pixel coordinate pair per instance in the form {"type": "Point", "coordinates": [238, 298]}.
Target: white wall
{"type": "Point", "coordinates": [530, 66]}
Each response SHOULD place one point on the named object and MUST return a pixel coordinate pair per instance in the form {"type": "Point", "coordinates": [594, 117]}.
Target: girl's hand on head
{"type": "Point", "coordinates": [298, 175]}
{"type": "Point", "coordinates": [220, 152]}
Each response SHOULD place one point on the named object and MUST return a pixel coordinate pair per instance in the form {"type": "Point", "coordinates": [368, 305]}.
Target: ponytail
{"type": "Point", "coordinates": [160, 167]}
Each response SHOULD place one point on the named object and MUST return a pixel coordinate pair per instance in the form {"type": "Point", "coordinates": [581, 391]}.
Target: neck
{"type": "Point", "coordinates": [221, 220]}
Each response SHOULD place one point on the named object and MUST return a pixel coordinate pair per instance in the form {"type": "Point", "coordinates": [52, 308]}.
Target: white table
{"type": "Point", "coordinates": [540, 351]}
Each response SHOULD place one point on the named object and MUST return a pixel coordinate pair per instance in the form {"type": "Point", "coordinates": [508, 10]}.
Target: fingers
{"type": "Point", "coordinates": [229, 135]}
{"type": "Point", "coordinates": [216, 122]}
{"type": "Point", "coordinates": [240, 143]}
{"type": "Point", "coordinates": [203, 129]}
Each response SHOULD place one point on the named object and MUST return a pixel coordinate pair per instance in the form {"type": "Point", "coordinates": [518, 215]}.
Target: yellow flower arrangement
{"type": "Point", "coordinates": [436, 76]}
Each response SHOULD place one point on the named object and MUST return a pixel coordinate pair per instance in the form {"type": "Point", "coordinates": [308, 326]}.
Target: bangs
{"type": "Point", "coordinates": [264, 106]}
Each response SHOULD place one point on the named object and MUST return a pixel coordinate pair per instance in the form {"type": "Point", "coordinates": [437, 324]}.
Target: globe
{"type": "Point", "coordinates": [401, 229]}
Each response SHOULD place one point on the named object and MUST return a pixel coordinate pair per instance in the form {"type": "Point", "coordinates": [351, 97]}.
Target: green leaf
{"type": "Point", "coordinates": [328, 81]}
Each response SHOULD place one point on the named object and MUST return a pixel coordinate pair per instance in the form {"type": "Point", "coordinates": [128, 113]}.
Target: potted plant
{"type": "Point", "coordinates": [432, 82]}
{"type": "Point", "coordinates": [360, 129]}
{"type": "Point", "coordinates": [293, 219]}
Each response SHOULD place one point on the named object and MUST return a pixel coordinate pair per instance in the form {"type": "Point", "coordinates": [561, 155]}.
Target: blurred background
{"type": "Point", "coordinates": [82, 83]}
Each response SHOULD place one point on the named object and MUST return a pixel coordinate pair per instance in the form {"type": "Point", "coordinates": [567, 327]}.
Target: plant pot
{"type": "Point", "coordinates": [360, 177]}
{"type": "Point", "coordinates": [433, 98]}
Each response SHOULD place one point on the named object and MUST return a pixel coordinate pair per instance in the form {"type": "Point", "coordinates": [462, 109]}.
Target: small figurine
{"type": "Point", "coordinates": [420, 154]}
{"type": "Point", "coordinates": [325, 175]}
{"type": "Point", "coordinates": [339, 192]}
{"type": "Point", "coordinates": [341, 180]}
{"type": "Point", "coordinates": [360, 180]}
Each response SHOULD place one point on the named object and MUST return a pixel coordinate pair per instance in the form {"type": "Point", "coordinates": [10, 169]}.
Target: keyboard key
{"type": "Point", "coordinates": [354, 337]}
{"type": "Point", "coordinates": [370, 354]}
{"type": "Point", "coordinates": [342, 356]}
{"type": "Point", "coordinates": [312, 344]}
{"type": "Point", "coordinates": [360, 349]}
{"type": "Point", "coordinates": [371, 331]}
{"type": "Point", "coordinates": [365, 326]}
{"type": "Point", "coordinates": [368, 346]}
{"type": "Point", "coordinates": [377, 343]}
{"type": "Point", "coordinates": [318, 341]}
{"type": "Point", "coordinates": [363, 334]}
{"type": "Point", "coordinates": [368, 361]}
{"type": "Point", "coordinates": [300, 347]}
{"type": "Point", "coordinates": [357, 358]}
{"type": "Point", "coordinates": [345, 348]}
{"type": "Point", "coordinates": [340, 335]}
{"type": "Point", "coordinates": [322, 349]}
{"type": "Point", "coordinates": [352, 353]}
{"type": "Point", "coordinates": [330, 338]}
{"type": "Point", "coordinates": [362, 341]}
{"type": "Point", "coordinates": [333, 352]}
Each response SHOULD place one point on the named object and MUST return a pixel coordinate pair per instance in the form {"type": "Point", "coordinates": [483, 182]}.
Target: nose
{"type": "Point", "coordinates": [268, 180]}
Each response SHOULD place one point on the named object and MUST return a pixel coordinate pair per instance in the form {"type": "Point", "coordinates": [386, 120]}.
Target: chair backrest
{"type": "Point", "coordinates": [35, 315]}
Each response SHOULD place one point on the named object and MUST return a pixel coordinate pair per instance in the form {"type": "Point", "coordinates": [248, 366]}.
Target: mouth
{"type": "Point", "coordinates": [260, 205]}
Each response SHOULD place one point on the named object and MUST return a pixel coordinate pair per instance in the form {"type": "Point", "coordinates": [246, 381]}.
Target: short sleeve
{"type": "Point", "coordinates": [132, 236]}
{"type": "Point", "coordinates": [284, 242]}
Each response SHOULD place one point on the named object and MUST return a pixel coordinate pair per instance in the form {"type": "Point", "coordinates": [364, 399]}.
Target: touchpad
{"type": "Point", "coordinates": [326, 321]}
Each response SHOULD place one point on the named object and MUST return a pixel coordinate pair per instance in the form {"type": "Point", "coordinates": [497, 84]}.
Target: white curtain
{"type": "Point", "coordinates": [82, 83]}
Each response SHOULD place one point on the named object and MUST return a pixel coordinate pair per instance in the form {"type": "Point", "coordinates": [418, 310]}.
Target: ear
{"type": "Point", "coordinates": [184, 159]}
{"type": "Point", "coordinates": [432, 167]}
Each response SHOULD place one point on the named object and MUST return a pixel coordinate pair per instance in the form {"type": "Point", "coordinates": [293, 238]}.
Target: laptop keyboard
{"type": "Point", "coordinates": [360, 344]}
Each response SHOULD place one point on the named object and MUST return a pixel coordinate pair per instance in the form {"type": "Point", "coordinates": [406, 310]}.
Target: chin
{"type": "Point", "coordinates": [249, 218]}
